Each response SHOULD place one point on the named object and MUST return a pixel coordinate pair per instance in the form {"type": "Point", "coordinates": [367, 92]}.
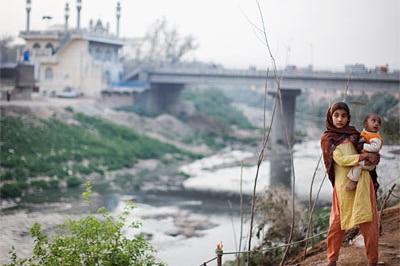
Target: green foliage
{"type": "Point", "coordinates": [316, 229]}
{"type": "Point", "coordinates": [93, 240]}
{"type": "Point", "coordinates": [34, 147]}
{"type": "Point", "coordinates": [69, 109]}
{"type": "Point", "coordinates": [273, 226]}
{"type": "Point", "coordinates": [320, 222]}
{"type": "Point", "coordinates": [39, 184]}
{"type": "Point", "coordinates": [213, 103]}
{"type": "Point", "coordinates": [390, 130]}
{"type": "Point", "coordinates": [11, 190]}
{"type": "Point", "coordinates": [73, 181]}
{"type": "Point", "coordinates": [250, 97]}
{"type": "Point", "coordinates": [8, 51]}
{"type": "Point", "coordinates": [139, 110]}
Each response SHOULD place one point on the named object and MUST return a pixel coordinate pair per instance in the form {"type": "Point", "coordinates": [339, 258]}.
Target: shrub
{"type": "Point", "coordinates": [53, 184]}
{"type": "Point", "coordinates": [213, 103]}
{"type": "Point", "coordinates": [39, 184]}
{"type": "Point", "coordinates": [93, 240]}
{"type": "Point", "coordinates": [73, 181]}
{"type": "Point", "coordinates": [274, 225]}
{"type": "Point", "coordinates": [10, 191]}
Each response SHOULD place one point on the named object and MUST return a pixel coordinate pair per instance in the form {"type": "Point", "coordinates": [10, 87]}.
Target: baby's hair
{"type": "Point", "coordinates": [373, 114]}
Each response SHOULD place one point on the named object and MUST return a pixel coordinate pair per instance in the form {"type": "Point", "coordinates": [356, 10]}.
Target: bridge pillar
{"type": "Point", "coordinates": [160, 98]}
{"type": "Point", "coordinates": [280, 170]}
{"type": "Point", "coordinates": [278, 130]}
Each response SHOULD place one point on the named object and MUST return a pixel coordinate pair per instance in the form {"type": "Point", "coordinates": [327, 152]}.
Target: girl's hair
{"type": "Point", "coordinates": [340, 106]}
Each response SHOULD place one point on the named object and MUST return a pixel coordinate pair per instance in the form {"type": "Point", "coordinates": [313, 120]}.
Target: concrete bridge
{"type": "Point", "coordinates": [162, 87]}
{"type": "Point", "coordinates": [317, 79]}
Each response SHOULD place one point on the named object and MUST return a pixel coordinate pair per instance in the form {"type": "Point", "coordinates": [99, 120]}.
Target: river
{"type": "Point", "coordinates": [185, 225]}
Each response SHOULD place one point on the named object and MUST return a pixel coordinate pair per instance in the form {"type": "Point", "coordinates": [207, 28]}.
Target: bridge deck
{"type": "Point", "coordinates": [318, 80]}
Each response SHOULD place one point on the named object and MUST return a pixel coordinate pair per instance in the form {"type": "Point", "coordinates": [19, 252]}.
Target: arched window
{"type": "Point", "coordinates": [50, 46]}
{"type": "Point", "coordinates": [36, 45]}
{"type": "Point", "coordinates": [48, 74]}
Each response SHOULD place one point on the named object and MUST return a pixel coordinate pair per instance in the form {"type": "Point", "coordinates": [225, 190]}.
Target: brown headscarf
{"type": "Point", "coordinates": [333, 136]}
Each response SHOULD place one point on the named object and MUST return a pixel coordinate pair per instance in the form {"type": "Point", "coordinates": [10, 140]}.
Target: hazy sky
{"type": "Point", "coordinates": [325, 33]}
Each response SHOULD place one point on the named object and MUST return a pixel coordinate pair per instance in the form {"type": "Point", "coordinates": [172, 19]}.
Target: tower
{"type": "Point", "coordinates": [28, 11]}
{"type": "Point", "coordinates": [78, 8]}
{"type": "Point", "coordinates": [66, 16]}
{"type": "Point", "coordinates": [118, 16]}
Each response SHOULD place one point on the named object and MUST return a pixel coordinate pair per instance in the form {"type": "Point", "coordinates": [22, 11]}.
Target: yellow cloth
{"type": "Point", "coordinates": [355, 205]}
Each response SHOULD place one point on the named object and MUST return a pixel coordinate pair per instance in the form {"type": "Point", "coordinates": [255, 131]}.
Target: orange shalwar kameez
{"type": "Point", "coordinates": [352, 207]}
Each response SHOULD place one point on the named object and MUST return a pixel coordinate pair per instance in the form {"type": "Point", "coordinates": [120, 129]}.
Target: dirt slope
{"type": "Point", "coordinates": [353, 255]}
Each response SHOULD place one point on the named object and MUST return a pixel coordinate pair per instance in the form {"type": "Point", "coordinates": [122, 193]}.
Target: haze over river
{"type": "Point", "coordinates": [186, 225]}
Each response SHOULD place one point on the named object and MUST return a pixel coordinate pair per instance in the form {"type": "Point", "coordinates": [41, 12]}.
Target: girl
{"type": "Point", "coordinates": [349, 207]}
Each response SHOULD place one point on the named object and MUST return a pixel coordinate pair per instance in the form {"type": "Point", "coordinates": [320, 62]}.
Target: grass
{"type": "Point", "coordinates": [34, 150]}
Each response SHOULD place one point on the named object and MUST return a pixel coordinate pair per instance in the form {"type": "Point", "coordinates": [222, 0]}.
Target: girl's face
{"type": "Point", "coordinates": [340, 118]}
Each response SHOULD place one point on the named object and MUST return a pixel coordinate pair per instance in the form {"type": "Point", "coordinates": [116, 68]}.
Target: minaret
{"type": "Point", "coordinates": [118, 17]}
{"type": "Point", "coordinates": [66, 16]}
{"type": "Point", "coordinates": [79, 7]}
{"type": "Point", "coordinates": [28, 11]}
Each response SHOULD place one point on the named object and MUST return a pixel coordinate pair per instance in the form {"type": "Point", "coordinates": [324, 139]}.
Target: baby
{"type": "Point", "coordinates": [373, 143]}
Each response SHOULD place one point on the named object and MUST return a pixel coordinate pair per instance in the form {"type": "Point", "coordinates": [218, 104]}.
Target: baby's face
{"type": "Point", "coordinates": [373, 124]}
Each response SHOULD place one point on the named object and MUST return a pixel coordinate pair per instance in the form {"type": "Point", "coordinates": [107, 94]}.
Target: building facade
{"type": "Point", "coordinates": [86, 60]}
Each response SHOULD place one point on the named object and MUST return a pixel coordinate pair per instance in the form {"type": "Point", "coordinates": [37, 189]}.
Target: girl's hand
{"type": "Point", "coordinates": [373, 158]}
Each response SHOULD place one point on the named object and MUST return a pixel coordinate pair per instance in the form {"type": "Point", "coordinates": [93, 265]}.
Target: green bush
{"type": "Point", "coordinates": [53, 184]}
{"type": "Point", "coordinates": [10, 191]}
{"type": "Point", "coordinates": [39, 184]}
{"type": "Point", "coordinates": [215, 104]}
{"type": "Point", "coordinates": [140, 110]}
{"type": "Point", "coordinates": [73, 182]}
{"type": "Point", "coordinates": [93, 240]}
{"type": "Point", "coordinates": [7, 175]}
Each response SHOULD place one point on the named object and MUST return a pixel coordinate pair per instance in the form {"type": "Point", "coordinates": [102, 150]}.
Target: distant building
{"type": "Point", "coordinates": [86, 60]}
{"type": "Point", "coordinates": [357, 69]}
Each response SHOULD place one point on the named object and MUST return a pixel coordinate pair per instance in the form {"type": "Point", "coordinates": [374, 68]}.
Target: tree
{"type": "Point", "coordinates": [8, 53]}
{"type": "Point", "coordinates": [162, 44]}
{"type": "Point", "coordinates": [92, 240]}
